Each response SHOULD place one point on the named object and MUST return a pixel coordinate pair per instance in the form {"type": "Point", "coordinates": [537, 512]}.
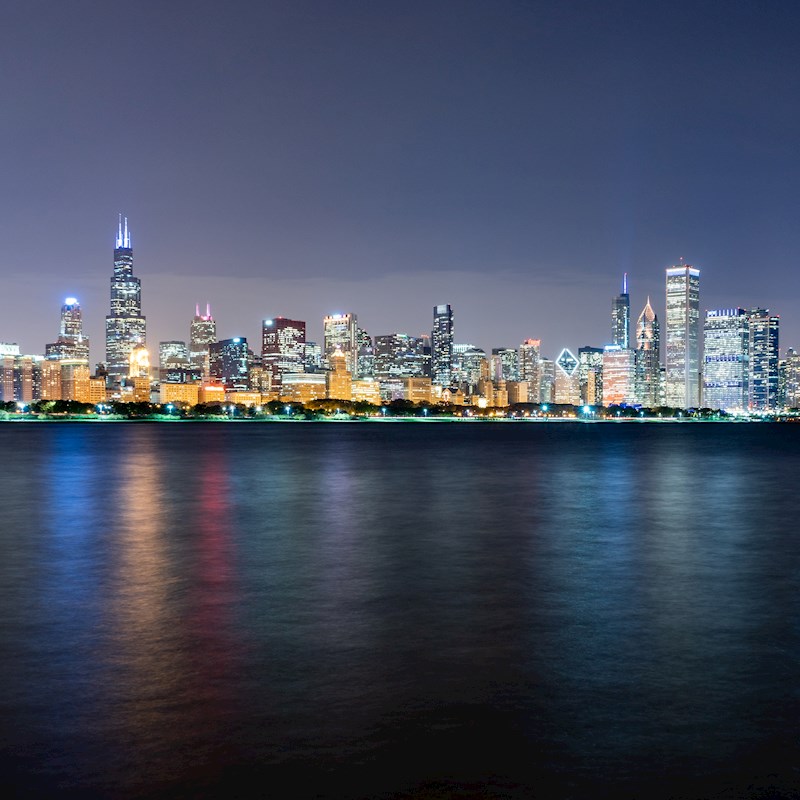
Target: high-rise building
{"type": "Point", "coordinates": [365, 359]}
{"type": "Point", "coordinates": [619, 370]}
{"type": "Point", "coordinates": [172, 352]}
{"type": "Point", "coordinates": [469, 366]}
{"type": "Point", "coordinates": [340, 332]}
{"type": "Point", "coordinates": [442, 345]}
{"type": "Point", "coordinates": [229, 363]}
{"type": "Point", "coordinates": [590, 375]}
{"type": "Point", "coordinates": [338, 379]}
{"type": "Point", "coordinates": [529, 355]}
{"type": "Point", "coordinates": [725, 359]}
{"type": "Point", "coordinates": [621, 316]}
{"type": "Point", "coordinates": [763, 351]}
{"type": "Point", "coordinates": [202, 332]}
{"type": "Point", "coordinates": [283, 344]}
{"type": "Point", "coordinates": [400, 355]}
{"type": "Point", "coordinates": [505, 364]}
{"type": "Point", "coordinates": [791, 388]}
{"type": "Point", "coordinates": [648, 358]}
{"type": "Point", "coordinates": [71, 342]}
{"type": "Point", "coordinates": [312, 357]}
{"type": "Point", "coordinates": [567, 384]}
{"type": "Point", "coordinates": [547, 381]}
{"type": "Point", "coordinates": [125, 325]}
{"type": "Point", "coordinates": [683, 336]}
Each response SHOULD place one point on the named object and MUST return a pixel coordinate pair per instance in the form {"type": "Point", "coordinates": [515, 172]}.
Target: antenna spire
{"type": "Point", "coordinates": [624, 283]}
{"type": "Point", "coordinates": [208, 310]}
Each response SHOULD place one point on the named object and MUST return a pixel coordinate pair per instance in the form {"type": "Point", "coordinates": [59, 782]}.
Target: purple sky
{"type": "Point", "coordinates": [510, 158]}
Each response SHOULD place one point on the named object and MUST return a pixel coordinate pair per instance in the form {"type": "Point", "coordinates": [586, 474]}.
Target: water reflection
{"type": "Point", "coordinates": [364, 610]}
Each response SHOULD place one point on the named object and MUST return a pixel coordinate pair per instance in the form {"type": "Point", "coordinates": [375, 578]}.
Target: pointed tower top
{"type": "Point", "coordinates": [624, 283]}
{"type": "Point", "coordinates": [123, 237]}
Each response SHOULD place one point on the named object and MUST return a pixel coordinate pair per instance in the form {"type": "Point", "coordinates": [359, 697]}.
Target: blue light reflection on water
{"type": "Point", "coordinates": [367, 608]}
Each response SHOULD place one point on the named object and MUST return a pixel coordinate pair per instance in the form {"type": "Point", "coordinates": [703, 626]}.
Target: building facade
{"type": "Point", "coordinates": [229, 363]}
{"type": "Point", "coordinates": [283, 344]}
{"type": "Point", "coordinates": [683, 337]}
{"type": "Point", "coordinates": [125, 325]}
{"type": "Point", "coordinates": [442, 345]}
{"type": "Point", "coordinates": [763, 351]}
{"type": "Point", "coordinates": [340, 332]}
{"type": "Point", "coordinates": [726, 359]}
{"type": "Point", "coordinates": [648, 358]}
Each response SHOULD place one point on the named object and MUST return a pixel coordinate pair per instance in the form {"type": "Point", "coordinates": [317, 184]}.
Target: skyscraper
{"type": "Point", "coordinates": [590, 374]}
{"type": "Point", "coordinates": [567, 382]}
{"type": "Point", "coordinates": [202, 332]}
{"type": "Point", "coordinates": [125, 325]}
{"type": "Point", "coordinates": [725, 359]}
{"type": "Point", "coordinates": [229, 363]}
{"type": "Point", "coordinates": [621, 316]}
{"type": "Point", "coordinates": [529, 356]}
{"type": "Point", "coordinates": [340, 332]}
{"type": "Point", "coordinates": [763, 344]}
{"type": "Point", "coordinates": [71, 342]}
{"type": "Point", "coordinates": [683, 336]}
{"type": "Point", "coordinates": [505, 364]}
{"type": "Point", "coordinates": [619, 372]}
{"type": "Point", "coordinates": [791, 391]}
{"type": "Point", "coordinates": [282, 347]}
{"type": "Point", "coordinates": [648, 358]}
{"type": "Point", "coordinates": [398, 355]}
{"type": "Point", "coordinates": [442, 345]}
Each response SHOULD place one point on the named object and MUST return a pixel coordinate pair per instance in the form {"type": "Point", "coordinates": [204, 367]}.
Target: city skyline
{"type": "Point", "coordinates": [510, 159]}
{"type": "Point", "coordinates": [619, 331]}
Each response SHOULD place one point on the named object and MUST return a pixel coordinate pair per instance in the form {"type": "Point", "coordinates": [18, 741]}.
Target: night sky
{"type": "Point", "coordinates": [304, 158]}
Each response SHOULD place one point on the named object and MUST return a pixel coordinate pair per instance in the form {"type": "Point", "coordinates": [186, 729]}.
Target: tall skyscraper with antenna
{"type": "Point", "coordinates": [125, 326]}
{"type": "Point", "coordinates": [621, 317]}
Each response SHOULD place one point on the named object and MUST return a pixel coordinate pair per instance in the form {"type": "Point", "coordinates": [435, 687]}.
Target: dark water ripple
{"type": "Point", "coordinates": [390, 610]}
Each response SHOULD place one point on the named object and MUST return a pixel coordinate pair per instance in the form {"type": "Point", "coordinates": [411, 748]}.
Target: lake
{"type": "Point", "coordinates": [404, 610]}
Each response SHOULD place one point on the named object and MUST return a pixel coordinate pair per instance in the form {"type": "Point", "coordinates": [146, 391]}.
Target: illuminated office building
{"type": "Point", "coordinates": [763, 343]}
{"type": "Point", "coordinates": [683, 336]}
{"type": "Point", "coordinates": [619, 369]}
{"type": "Point", "coordinates": [648, 358]}
{"type": "Point", "coordinates": [125, 325]}
{"type": "Point", "coordinates": [725, 359]}
{"type": "Point", "coordinates": [529, 356]}
{"type": "Point", "coordinates": [312, 357]}
{"type": "Point", "coordinates": [365, 359]}
{"type": "Point", "coordinates": [398, 355]}
{"type": "Point", "coordinates": [202, 332]}
{"type": "Point", "coordinates": [339, 378]}
{"type": "Point", "coordinates": [172, 352]}
{"type": "Point", "coordinates": [567, 389]}
{"type": "Point", "coordinates": [442, 346]}
{"type": "Point", "coordinates": [547, 381]}
{"type": "Point", "coordinates": [791, 387]}
{"type": "Point", "coordinates": [229, 363]}
{"type": "Point", "coordinates": [469, 365]}
{"type": "Point", "coordinates": [621, 316]}
{"type": "Point", "coordinates": [590, 375]}
{"type": "Point", "coordinates": [505, 364]}
{"type": "Point", "coordinates": [340, 332]}
{"type": "Point", "coordinates": [282, 347]}
{"type": "Point", "coordinates": [71, 342]}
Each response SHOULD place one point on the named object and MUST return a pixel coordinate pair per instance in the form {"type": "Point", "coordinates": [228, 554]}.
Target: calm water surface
{"type": "Point", "coordinates": [400, 610]}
